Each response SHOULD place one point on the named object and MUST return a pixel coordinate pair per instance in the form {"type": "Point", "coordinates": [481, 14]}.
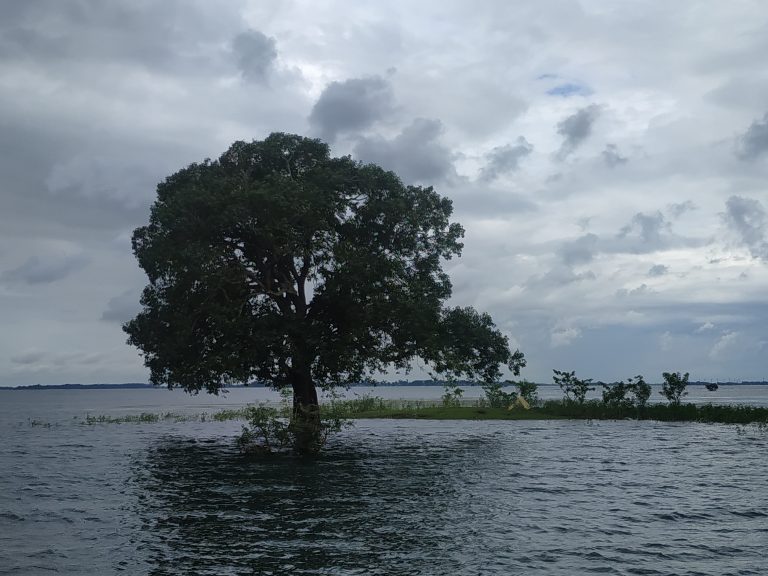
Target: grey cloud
{"type": "Point", "coordinates": [754, 142]}
{"type": "Point", "coordinates": [351, 105]}
{"type": "Point", "coordinates": [172, 33]}
{"type": "Point", "coordinates": [642, 290]}
{"type": "Point", "coordinates": [747, 218]}
{"type": "Point", "coordinates": [128, 183]}
{"type": "Point", "coordinates": [558, 277]}
{"type": "Point", "coordinates": [503, 159]}
{"type": "Point", "coordinates": [612, 157]}
{"type": "Point", "coordinates": [122, 307]}
{"type": "Point", "coordinates": [648, 228]}
{"type": "Point", "coordinates": [36, 271]}
{"type": "Point", "coordinates": [579, 251]}
{"type": "Point", "coordinates": [576, 128]}
{"type": "Point", "coordinates": [26, 358]}
{"type": "Point", "coordinates": [678, 209]}
{"type": "Point", "coordinates": [416, 154]}
{"type": "Point", "coordinates": [256, 54]}
{"type": "Point", "coordinates": [658, 270]}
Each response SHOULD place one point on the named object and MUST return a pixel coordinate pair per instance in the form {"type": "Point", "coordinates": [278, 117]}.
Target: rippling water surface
{"type": "Point", "coordinates": [388, 497]}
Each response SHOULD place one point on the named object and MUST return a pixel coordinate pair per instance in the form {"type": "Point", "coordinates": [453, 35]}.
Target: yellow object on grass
{"type": "Point", "coordinates": [520, 402]}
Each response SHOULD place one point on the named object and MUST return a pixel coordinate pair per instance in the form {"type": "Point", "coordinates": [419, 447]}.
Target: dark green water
{"type": "Point", "coordinates": [389, 497]}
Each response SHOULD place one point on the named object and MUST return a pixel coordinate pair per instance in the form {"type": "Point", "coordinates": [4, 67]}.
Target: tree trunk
{"type": "Point", "coordinates": [306, 414]}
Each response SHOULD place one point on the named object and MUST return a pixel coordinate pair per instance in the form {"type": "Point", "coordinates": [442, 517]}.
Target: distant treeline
{"type": "Point", "coordinates": [79, 386]}
{"type": "Point", "coordinates": [462, 383]}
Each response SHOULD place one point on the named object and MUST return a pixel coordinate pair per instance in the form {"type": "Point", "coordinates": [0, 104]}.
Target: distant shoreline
{"type": "Point", "coordinates": [139, 385]}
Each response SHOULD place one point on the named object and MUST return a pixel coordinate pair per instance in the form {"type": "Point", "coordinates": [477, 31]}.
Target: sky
{"type": "Point", "coordinates": [608, 160]}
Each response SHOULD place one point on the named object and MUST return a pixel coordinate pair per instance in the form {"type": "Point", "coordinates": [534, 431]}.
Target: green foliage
{"type": "Point", "coordinates": [452, 394]}
{"type": "Point", "coordinates": [496, 397]}
{"type": "Point", "coordinates": [615, 394]}
{"type": "Point", "coordinates": [279, 263]}
{"type": "Point", "coordinates": [573, 388]}
{"type": "Point", "coordinates": [270, 432]}
{"type": "Point", "coordinates": [673, 388]}
{"type": "Point", "coordinates": [528, 391]}
{"type": "Point", "coordinates": [598, 410]}
{"type": "Point", "coordinates": [640, 389]}
{"type": "Point", "coordinates": [358, 405]}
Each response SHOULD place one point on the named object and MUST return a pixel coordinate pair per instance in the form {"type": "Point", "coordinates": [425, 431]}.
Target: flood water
{"type": "Point", "coordinates": [388, 497]}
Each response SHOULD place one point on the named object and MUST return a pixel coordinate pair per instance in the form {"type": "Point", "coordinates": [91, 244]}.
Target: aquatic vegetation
{"type": "Point", "coordinates": [270, 431]}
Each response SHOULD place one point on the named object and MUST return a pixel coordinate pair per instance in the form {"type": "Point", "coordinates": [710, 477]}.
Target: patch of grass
{"type": "Point", "coordinates": [375, 407]}
{"type": "Point", "coordinates": [596, 410]}
{"type": "Point", "coordinates": [143, 418]}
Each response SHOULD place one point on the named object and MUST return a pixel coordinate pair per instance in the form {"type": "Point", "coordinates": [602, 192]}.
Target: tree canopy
{"type": "Point", "coordinates": [280, 263]}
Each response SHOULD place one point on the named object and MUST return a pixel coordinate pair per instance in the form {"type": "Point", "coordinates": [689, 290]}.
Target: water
{"type": "Point", "coordinates": [388, 497]}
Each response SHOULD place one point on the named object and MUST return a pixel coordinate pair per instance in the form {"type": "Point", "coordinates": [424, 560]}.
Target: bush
{"type": "Point", "coordinates": [528, 391]}
{"type": "Point", "coordinates": [640, 389]}
{"type": "Point", "coordinates": [615, 394]}
{"type": "Point", "coordinates": [452, 396]}
{"type": "Point", "coordinates": [270, 432]}
{"type": "Point", "coordinates": [572, 387]}
{"type": "Point", "coordinates": [496, 397]}
{"type": "Point", "coordinates": [674, 386]}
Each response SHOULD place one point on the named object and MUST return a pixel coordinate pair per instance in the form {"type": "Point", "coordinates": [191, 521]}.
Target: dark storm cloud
{"type": "Point", "coordinates": [658, 270]}
{"type": "Point", "coordinates": [747, 218]}
{"type": "Point", "coordinates": [37, 271]}
{"type": "Point", "coordinates": [256, 54]}
{"type": "Point", "coordinates": [579, 251]}
{"type": "Point", "coordinates": [122, 307]}
{"type": "Point", "coordinates": [504, 159]}
{"type": "Point", "coordinates": [754, 142]}
{"type": "Point", "coordinates": [351, 105]}
{"type": "Point", "coordinates": [576, 128]}
{"type": "Point", "coordinates": [612, 157]}
{"type": "Point", "coordinates": [416, 154]}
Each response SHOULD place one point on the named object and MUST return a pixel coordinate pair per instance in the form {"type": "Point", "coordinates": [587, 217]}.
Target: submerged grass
{"type": "Point", "coordinates": [375, 407]}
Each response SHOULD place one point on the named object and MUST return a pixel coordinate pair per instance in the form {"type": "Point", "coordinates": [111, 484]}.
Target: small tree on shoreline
{"type": "Point", "coordinates": [573, 388]}
{"type": "Point", "coordinates": [640, 389]}
{"type": "Point", "coordinates": [528, 391]}
{"type": "Point", "coordinates": [674, 386]}
{"type": "Point", "coordinates": [616, 394]}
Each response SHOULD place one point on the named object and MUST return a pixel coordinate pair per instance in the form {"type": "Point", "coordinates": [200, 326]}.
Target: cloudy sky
{"type": "Point", "coordinates": [609, 161]}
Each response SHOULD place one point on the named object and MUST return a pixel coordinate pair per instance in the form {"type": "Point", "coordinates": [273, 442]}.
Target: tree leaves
{"type": "Point", "coordinates": [277, 258]}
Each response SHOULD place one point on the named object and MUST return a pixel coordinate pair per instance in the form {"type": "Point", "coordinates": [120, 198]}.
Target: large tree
{"type": "Point", "coordinates": [281, 264]}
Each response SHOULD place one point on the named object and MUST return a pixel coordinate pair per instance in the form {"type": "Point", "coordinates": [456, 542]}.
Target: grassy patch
{"type": "Point", "coordinates": [367, 407]}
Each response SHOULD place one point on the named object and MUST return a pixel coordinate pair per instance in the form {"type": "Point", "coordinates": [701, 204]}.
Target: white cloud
{"type": "Point", "coordinates": [564, 336]}
{"type": "Point", "coordinates": [725, 344]}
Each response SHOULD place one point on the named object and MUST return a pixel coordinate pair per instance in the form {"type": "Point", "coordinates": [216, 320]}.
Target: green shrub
{"type": "Point", "coordinates": [640, 389]}
{"type": "Point", "coordinates": [269, 432]}
{"type": "Point", "coordinates": [496, 397]}
{"type": "Point", "coordinates": [573, 388]}
{"type": "Point", "coordinates": [674, 386]}
{"type": "Point", "coordinates": [452, 396]}
{"type": "Point", "coordinates": [528, 391]}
